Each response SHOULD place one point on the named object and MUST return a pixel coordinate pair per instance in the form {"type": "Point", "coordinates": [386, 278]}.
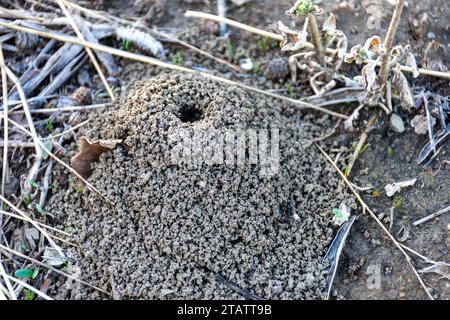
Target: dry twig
{"type": "Point", "coordinates": [386, 231]}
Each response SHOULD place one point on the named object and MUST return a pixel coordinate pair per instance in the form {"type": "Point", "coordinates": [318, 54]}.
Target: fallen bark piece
{"type": "Point", "coordinates": [393, 188]}
{"type": "Point", "coordinates": [90, 152]}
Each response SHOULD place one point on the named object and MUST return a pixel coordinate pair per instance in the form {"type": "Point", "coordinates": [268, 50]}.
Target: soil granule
{"type": "Point", "coordinates": [176, 231]}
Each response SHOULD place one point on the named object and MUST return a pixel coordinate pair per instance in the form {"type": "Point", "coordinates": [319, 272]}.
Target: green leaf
{"type": "Point", "coordinates": [29, 295]}
{"type": "Point", "coordinates": [35, 274]}
{"type": "Point", "coordinates": [33, 183]}
{"type": "Point", "coordinates": [337, 213]}
{"type": "Point", "coordinates": [24, 273]}
{"type": "Point", "coordinates": [49, 124]}
{"type": "Point", "coordinates": [39, 209]}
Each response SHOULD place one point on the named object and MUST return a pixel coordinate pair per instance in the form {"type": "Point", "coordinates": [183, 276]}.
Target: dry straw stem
{"type": "Point", "coordinates": [11, 291]}
{"type": "Point", "coordinates": [366, 208]}
{"type": "Point", "coordinates": [112, 19]}
{"type": "Point", "coordinates": [271, 35]}
{"type": "Point", "coordinates": [360, 145]}
{"type": "Point", "coordinates": [65, 165]}
{"type": "Point", "coordinates": [27, 286]}
{"type": "Point", "coordinates": [159, 63]}
{"type": "Point", "coordinates": [6, 213]}
{"type": "Point", "coordinates": [384, 69]}
{"type": "Point", "coordinates": [57, 271]}
{"type": "Point", "coordinates": [65, 109]}
{"type": "Point", "coordinates": [88, 50]}
{"type": "Point", "coordinates": [35, 224]}
{"type": "Point", "coordinates": [5, 125]}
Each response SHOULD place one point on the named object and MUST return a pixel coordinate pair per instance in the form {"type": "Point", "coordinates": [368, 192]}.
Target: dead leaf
{"type": "Point", "coordinates": [52, 257]}
{"type": "Point", "coordinates": [292, 40]}
{"type": "Point", "coordinates": [420, 124]}
{"type": "Point", "coordinates": [441, 268]}
{"type": "Point", "coordinates": [329, 24]}
{"type": "Point", "coordinates": [393, 188]}
{"type": "Point", "coordinates": [90, 152]}
{"type": "Point", "coordinates": [401, 85]}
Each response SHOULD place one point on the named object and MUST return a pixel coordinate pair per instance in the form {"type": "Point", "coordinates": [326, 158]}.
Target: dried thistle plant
{"type": "Point", "coordinates": [324, 69]}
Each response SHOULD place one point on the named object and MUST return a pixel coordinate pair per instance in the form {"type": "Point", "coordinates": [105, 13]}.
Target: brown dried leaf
{"type": "Point", "coordinates": [292, 40]}
{"type": "Point", "coordinates": [90, 152]}
{"type": "Point", "coordinates": [373, 47]}
{"type": "Point", "coordinates": [400, 84]}
{"type": "Point", "coordinates": [329, 24]}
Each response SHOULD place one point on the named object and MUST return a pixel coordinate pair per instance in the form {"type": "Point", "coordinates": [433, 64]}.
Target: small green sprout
{"type": "Point", "coordinates": [390, 152]}
{"type": "Point", "coordinates": [33, 183]}
{"type": "Point", "coordinates": [346, 170]}
{"type": "Point", "coordinates": [51, 186]}
{"type": "Point", "coordinates": [337, 213]}
{"type": "Point", "coordinates": [39, 209]}
{"type": "Point", "coordinates": [24, 247]}
{"type": "Point", "coordinates": [362, 54]}
{"type": "Point", "coordinates": [263, 44]}
{"type": "Point", "coordinates": [177, 59]}
{"type": "Point", "coordinates": [256, 68]}
{"type": "Point", "coordinates": [273, 44]}
{"type": "Point", "coordinates": [26, 200]}
{"type": "Point", "coordinates": [229, 50]}
{"type": "Point", "coordinates": [49, 124]}
{"type": "Point", "coordinates": [125, 45]}
{"type": "Point", "coordinates": [360, 152]}
{"type": "Point", "coordinates": [397, 202]}
{"type": "Point", "coordinates": [303, 7]}
{"type": "Point", "coordinates": [289, 88]}
{"type": "Point", "coordinates": [79, 189]}
{"type": "Point", "coordinates": [29, 295]}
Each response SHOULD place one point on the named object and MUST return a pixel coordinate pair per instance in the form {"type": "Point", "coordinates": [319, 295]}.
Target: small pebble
{"type": "Point", "coordinates": [431, 35]}
{"type": "Point", "coordinates": [396, 123]}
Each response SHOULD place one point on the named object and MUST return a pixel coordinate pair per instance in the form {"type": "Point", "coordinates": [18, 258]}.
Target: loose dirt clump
{"type": "Point", "coordinates": [177, 231]}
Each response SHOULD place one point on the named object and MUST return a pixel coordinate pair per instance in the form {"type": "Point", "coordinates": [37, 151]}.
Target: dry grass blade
{"type": "Point", "coordinates": [65, 165]}
{"type": "Point", "coordinates": [271, 35]}
{"type": "Point", "coordinates": [159, 63]}
{"type": "Point", "coordinates": [88, 50]}
{"type": "Point", "coordinates": [26, 285]}
{"type": "Point", "coordinates": [5, 126]}
{"type": "Point", "coordinates": [26, 109]}
{"type": "Point", "coordinates": [9, 214]}
{"type": "Point", "coordinates": [68, 130]}
{"type": "Point", "coordinates": [35, 224]}
{"type": "Point", "coordinates": [3, 273]}
{"type": "Point", "coordinates": [386, 231]}
{"type": "Point", "coordinates": [65, 109]}
{"type": "Point", "coordinates": [21, 255]}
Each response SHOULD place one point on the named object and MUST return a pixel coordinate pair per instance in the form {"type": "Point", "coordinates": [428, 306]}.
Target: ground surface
{"type": "Point", "coordinates": [390, 157]}
{"type": "Point", "coordinates": [366, 246]}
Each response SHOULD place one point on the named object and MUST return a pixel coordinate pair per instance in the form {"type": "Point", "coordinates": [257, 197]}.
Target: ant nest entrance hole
{"type": "Point", "coordinates": [190, 113]}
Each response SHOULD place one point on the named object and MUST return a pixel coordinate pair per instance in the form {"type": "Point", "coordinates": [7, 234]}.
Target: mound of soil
{"type": "Point", "coordinates": [208, 231]}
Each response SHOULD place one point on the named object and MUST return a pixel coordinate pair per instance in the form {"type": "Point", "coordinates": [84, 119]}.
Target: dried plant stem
{"type": "Point", "coordinates": [7, 282]}
{"type": "Point", "coordinates": [385, 59]}
{"type": "Point", "coordinates": [111, 19]}
{"type": "Point", "coordinates": [360, 145]}
{"type": "Point", "coordinates": [6, 213]}
{"type": "Point", "coordinates": [37, 226]}
{"type": "Point", "coordinates": [88, 50]}
{"type": "Point", "coordinates": [317, 40]}
{"type": "Point", "coordinates": [386, 231]}
{"type": "Point", "coordinates": [65, 109]}
{"type": "Point", "coordinates": [5, 126]}
{"type": "Point", "coordinates": [57, 271]}
{"type": "Point", "coordinates": [159, 63]}
{"type": "Point", "coordinates": [27, 286]}
{"type": "Point", "coordinates": [271, 35]}
{"type": "Point", "coordinates": [65, 165]}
